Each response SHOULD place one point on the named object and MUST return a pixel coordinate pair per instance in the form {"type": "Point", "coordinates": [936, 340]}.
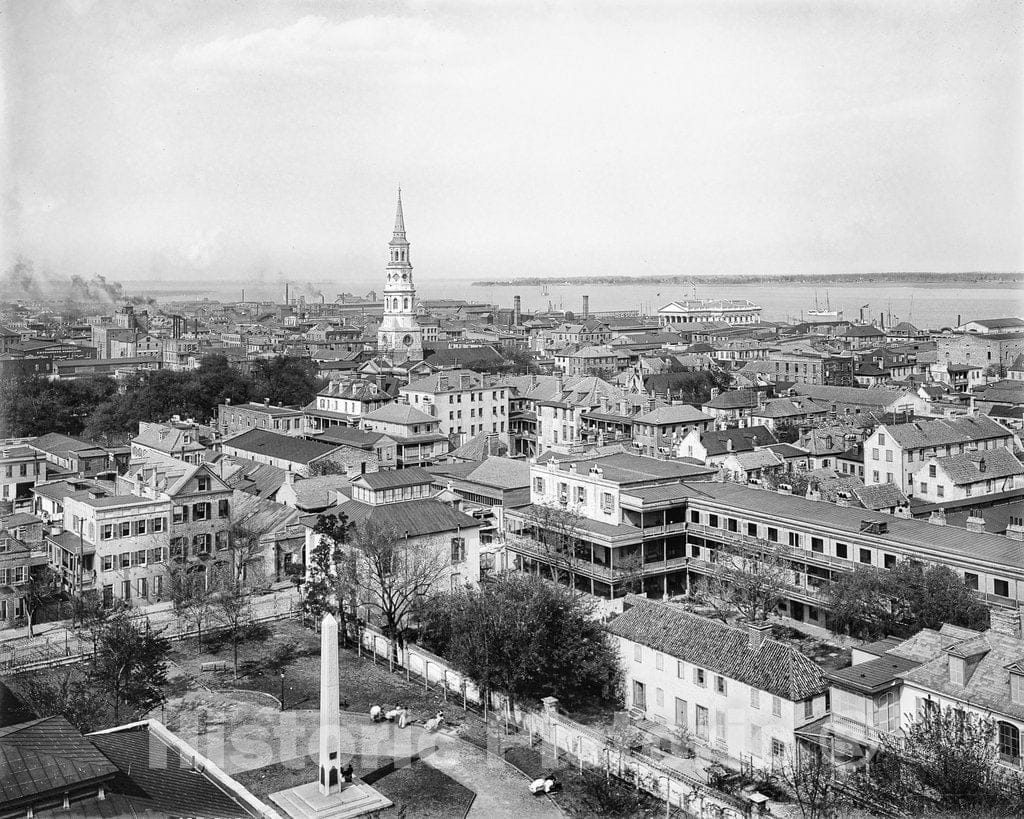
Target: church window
{"type": "Point", "coordinates": [406, 303]}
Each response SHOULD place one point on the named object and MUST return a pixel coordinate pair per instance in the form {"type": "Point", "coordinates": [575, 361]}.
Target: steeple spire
{"type": "Point", "coordinates": [399, 216]}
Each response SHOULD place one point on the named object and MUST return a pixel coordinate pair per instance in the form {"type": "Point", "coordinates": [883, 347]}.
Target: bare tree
{"type": "Point", "coordinates": [554, 531]}
{"type": "Point", "coordinates": [39, 591]}
{"type": "Point", "coordinates": [393, 575]}
{"type": "Point", "coordinates": [190, 592]}
{"type": "Point", "coordinates": [242, 564]}
{"type": "Point", "coordinates": [749, 581]}
{"type": "Point", "coordinates": [812, 780]}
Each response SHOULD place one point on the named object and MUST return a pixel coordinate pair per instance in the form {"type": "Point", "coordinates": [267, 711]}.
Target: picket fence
{"type": "Point", "coordinates": [583, 745]}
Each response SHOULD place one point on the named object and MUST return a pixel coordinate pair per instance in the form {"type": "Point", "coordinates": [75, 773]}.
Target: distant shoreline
{"type": "Point", "coordinates": [945, 279]}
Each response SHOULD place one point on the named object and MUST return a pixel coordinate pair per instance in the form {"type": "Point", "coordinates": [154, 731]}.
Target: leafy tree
{"type": "Point", "coordinates": [190, 592]}
{"type": "Point", "coordinates": [334, 531]}
{"type": "Point", "coordinates": [787, 433]}
{"type": "Point", "coordinates": [946, 761]}
{"type": "Point", "coordinates": [231, 608]}
{"type": "Point", "coordinates": [319, 585]}
{"type": "Point", "coordinates": [130, 664]}
{"type": "Point", "coordinates": [286, 379]}
{"type": "Point", "coordinates": [554, 532]}
{"type": "Point", "coordinates": [528, 638]}
{"type": "Point", "coordinates": [870, 603]}
{"type": "Point", "coordinates": [65, 691]}
{"type": "Point", "coordinates": [326, 466]}
{"type": "Point", "coordinates": [39, 591]}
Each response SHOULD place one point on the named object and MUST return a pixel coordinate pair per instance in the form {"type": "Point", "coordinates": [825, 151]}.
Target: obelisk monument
{"type": "Point", "coordinates": [330, 717]}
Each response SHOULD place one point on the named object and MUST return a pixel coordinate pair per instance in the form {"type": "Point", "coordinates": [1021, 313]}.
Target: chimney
{"type": "Point", "coordinates": [586, 306]}
{"type": "Point", "coordinates": [981, 465]}
{"type": "Point", "coordinates": [976, 521]}
{"type": "Point", "coordinates": [728, 444]}
{"type": "Point", "coordinates": [286, 292]}
{"type": "Point", "coordinates": [842, 498]}
{"type": "Point", "coordinates": [1005, 621]}
{"type": "Point", "coordinates": [938, 517]}
{"type": "Point", "coordinates": [1015, 531]}
{"type": "Point", "coordinates": [714, 393]}
{"type": "Point", "coordinates": [289, 478]}
{"type": "Point", "coordinates": [559, 387]}
{"type": "Point", "coordinates": [902, 511]}
{"type": "Point", "coordinates": [517, 304]}
{"type": "Point", "coordinates": [756, 633]}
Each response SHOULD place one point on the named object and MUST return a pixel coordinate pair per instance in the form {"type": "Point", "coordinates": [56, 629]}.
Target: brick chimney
{"type": "Point", "coordinates": [1006, 621]}
{"type": "Point", "coordinates": [938, 517]}
{"type": "Point", "coordinates": [1015, 531]}
{"type": "Point", "coordinates": [976, 521]}
{"type": "Point", "coordinates": [756, 633]}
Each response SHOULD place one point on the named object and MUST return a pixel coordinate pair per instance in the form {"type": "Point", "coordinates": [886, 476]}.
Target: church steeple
{"type": "Point", "coordinates": [399, 218]}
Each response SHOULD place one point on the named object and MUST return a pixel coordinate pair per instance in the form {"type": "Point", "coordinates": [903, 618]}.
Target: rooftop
{"type": "Point", "coordinates": [275, 445]}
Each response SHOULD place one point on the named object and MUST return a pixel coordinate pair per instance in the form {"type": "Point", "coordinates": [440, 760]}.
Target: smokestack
{"type": "Point", "coordinates": [957, 319]}
{"type": "Point", "coordinates": [586, 306]}
{"type": "Point", "coordinates": [286, 292]}
{"type": "Point", "coordinates": [243, 295]}
{"type": "Point", "coordinates": [517, 304]}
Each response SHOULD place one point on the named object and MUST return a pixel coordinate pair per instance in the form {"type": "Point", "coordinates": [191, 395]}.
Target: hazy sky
{"type": "Point", "coordinates": [239, 139]}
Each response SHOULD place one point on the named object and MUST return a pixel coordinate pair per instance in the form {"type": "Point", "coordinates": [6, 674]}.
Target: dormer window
{"type": "Point", "coordinates": [1017, 687]}
{"type": "Point", "coordinates": [957, 670]}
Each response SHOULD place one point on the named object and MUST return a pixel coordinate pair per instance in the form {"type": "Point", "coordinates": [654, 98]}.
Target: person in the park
{"type": "Point", "coordinates": [376, 713]}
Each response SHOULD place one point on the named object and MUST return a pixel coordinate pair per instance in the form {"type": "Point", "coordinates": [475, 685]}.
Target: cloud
{"type": "Point", "coordinates": [315, 43]}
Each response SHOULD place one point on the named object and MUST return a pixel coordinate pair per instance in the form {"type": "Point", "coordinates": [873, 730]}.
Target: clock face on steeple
{"type": "Point", "coordinates": [407, 341]}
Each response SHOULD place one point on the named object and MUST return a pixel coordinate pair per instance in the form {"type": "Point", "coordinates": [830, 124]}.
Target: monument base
{"type": "Point", "coordinates": [354, 799]}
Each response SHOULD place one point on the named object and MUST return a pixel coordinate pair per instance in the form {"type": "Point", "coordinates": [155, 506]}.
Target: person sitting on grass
{"type": "Point", "coordinates": [434, 723]}
{"type": "Point", "coordinates": [376, 713]}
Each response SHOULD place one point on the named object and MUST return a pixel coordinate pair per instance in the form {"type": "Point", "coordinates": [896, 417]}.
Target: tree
{"type": "Point", "coordinates": [326, 466]}
{"type": "Point", "coordinates": [947, 760]}
{"type": "Point", "coordinates": [392, 574]}
{"type": "Point", "coordinates": [749, 581]}
{"type": "Point", "coordinates": [243, 566]}
{"type": "Point", "coordinates": [189, 589]}
{"type": "Point", "coordinates": [231, 608]}
{"type": "Point", "coordinates": [334, 531]}
{"type": "Point", "coordinates": [870, 603]}
{"type": "Point", "coordinates": [786, 433]}
{"type": "Point", "coordinates": [65, 691]}
{"type": "Point", "coordinates": [130, 664]}
{"type": "Point", "coordinates": [812, 780]}
{"type": "Point", "coordinates": [39, 591]}
{"type": "Point", "coordinates": [527, 638]}
{"type": "Point", "coordinates": [319, 585]}
{"type": "Point", "coordinates": [286, 379]}
{"type": "Point", "coordinates": [554, 531]}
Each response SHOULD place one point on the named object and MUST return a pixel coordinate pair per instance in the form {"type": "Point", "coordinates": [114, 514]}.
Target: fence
{"type": "Point", "coordinates": [586, 745]}
{"type": "Point", "coordinates": [64, 646]}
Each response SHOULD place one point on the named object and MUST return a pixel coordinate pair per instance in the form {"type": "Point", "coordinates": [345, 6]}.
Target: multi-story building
{"type": "Point", "coordinates": [403, 503]}
{"type": "Point", "coordinates": [735, 691]}
{"type": "Point", "coordinates": [465, 402]}
{"type": "Point", "coordinates": [588, 332]}
{"type": "Point", "coordinates": [658, 430]}
{"type": "Point", "coordinates": [857, 400]}
{"type": "Point", "coordinates": [21, 555]}
{"type": "Point", "coordinates": [359, 450]}
{"type": "Point", "coordinates": [595, 503]}
{"type": "Point", "coordinates": [76, 457]}
{"type": "Point", "coordinates": [417, 436]}
{"type": "Point", "coordinates": [235, 418]}
{"type": "Point", "coordinates": [1011, 324]}
{"type": "Point", "coordinates": [693, 311]}
{"type": "Point", "coordinates": [21, 468]}
{"type": "Point", "coordinates": [200, 523]}
{"type": "Point", "coordinates": [344, 404]}
{"type": "Point", "coordinates": [175, 439]}
{"type": "Point", "coordinates": [894, 452]}
{"type": "Point", "coordinates": [985, 349]}
{"type": "Point", "coordinates": [968, 475]}
{"type": "Point", "coordinates": [113, 545]}
{"type": "Point", "coordinates": [283, 451]}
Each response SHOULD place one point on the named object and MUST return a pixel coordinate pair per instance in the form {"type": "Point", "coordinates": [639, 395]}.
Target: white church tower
{"type": "Point", "coordinates": [400, 337]}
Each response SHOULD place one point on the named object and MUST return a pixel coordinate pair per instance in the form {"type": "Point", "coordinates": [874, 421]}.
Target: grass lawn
{"type": "Point", "coordinates": [417, 788]}
{"type": "Point", "coordinates": [362, 683]}
{"type": "Point", "coordinates": [589, 793]}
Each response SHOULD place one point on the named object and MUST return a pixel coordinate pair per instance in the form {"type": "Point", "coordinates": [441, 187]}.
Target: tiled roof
{"type": "Point", "coordinates": [412, 476]}
{"type": "Point", "coordinates": [503, 473]}
{"type": "Point", "coordinates": [879, 496]}
{"type": "Point", "coordinates": [673, 414]}
{"type": "Point", "coordinates": [417, 517]}
{"type": "Point", "coordinates": [971, 467]}
{"type": "Point", "coordinates": [479, 447]}
{"type": "Point", "coordinates": [873, 675]}
{"type": "Point", "coordinates": [868, 397]}
{"type": "Point", "coordinates": [716, 442]}
{"type": "Point", "coordinates": [275, 445]}
{"type": "Point", "coordinates": [400, 413]}
{"type": "Point", "coordinates": [350, 436]}
{"type": "Point", "coordinates": [773, 666]}
{"type": "Point", "coordinates": [944, 431]}
{"type": "Point", "coordinates": [48, 755]}
{"type": "Point", "coordinates": [758, 459]}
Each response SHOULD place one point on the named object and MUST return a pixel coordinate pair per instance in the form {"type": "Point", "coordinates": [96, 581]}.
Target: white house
{"type": "Point", "coordinates": [969, 475]}
{"type": "Point", "coordinates": [894, 452]}
{"type": "Point", "coordinates": [737, 691]}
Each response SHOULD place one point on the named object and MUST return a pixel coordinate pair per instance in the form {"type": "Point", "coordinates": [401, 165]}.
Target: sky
{"type": "Point", "coordinates": [250, 141]}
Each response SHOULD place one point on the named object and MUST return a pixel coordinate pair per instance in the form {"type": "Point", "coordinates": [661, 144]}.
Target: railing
{"type": "Point", "coordinates": [854, 729]}
{"type": "Point", "coordinates": [530, 548]}
{"type": "Point", "coordinates": [748, 541]}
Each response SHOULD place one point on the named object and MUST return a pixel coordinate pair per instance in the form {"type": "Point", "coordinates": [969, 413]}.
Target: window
{"type": "Point", "coordinates": [203, 483]}
{"type": "Point", "coordinates": [874, 453]}
{"type": "Point", "coordinates": [700, 677]}
{"type": "Point", "coordinates": [180, 514]}
{"type": "Point", "coordinates": [752, 529]}
{"type": "Point", "coordinates": [200, 511]}
{"type": "Point", "coordinates": [581, 494]}
{"type": "Point", "coordinates": [778, 750]}
{"type": "Point", "coordinates": [126, 528]}
{"type": "Point", "coordinates": [223, 540]}
{"type": "Point", "coordinates": [931, 470]}
{"type": "Point", "coordinates": [881, 439]}
{"type": "Point", "coordinates": [159, 524]}
{"type": "Point", "coordinates": [126, 559]}
{"type": "Point", "coordinates": [755, 697]}
{"type": "Point", "coordinates": [1001, 588]}
{"type": "Point", "coordinates": [817, 544]}
{"type": "Point", "coordinates": [924, 487]}
{"type": "Point", "coordinates": [607, 503]}
{"type": "Point", "coordinates": [156, 555]}
{"type": "Point", "coordinates": [865, 555]}
{"type": "Point", "coordinates": [956, 670]}
{"type": "Point", "coordinates": [702, 722]}
{"type": "Point", "coordinates": [694, 516]}
{"type": "Point", "coordinates": [842, 550]}
{"type": "Point", "coordinates": [680, 669]}
{"type": "Point", "coordinates": [719, 684]}
{"type": "Point", "coordinates": [889, 561]}
{"type": "Point", "coordinates": [971, 580]}
{"type": "Point", "coordinates": [794, 539]}
{"type": "Point", "coordinates": [458, 550]}
{"type": "Point", "coordinates": [659, 697]}
{"type": "Point", "coordinates": [1017, 688]}
{"type": "Point", "coordinates": [720, 725]}
{"type": "Point", "coordinates": [732, 524]}
{"type": "Point", "coordinates": [874, 475]}
{"type": "Point", "coordinates": [538, 485]}
{"type": "Point", "coordinates": [888, 456]}
{"type": "Point", "coordinates": [776, 707]}
{"type": "Point", "coordinates": [140, 558]}
{"type": "Point", "coordinates": [773, 534]}
{"type": "Point", "coordinates": [659, 661]}
{"type": "Point", "coordinates": [713, 521]}
{"type": "Point", "coordinates": [808, 709]}
{"type": "Point", "coordinates": [108, 563]}
{"type": "Point", "coordinates": [755, 740]}
{"type": "Point", "coordinates": [140, 527]}
{"type": "Point", "coordinates": [107, 531]}
{"type": "Point", "coordinates": [222, 508]}
{"type": "Point", "coordinates": [1009, 741]}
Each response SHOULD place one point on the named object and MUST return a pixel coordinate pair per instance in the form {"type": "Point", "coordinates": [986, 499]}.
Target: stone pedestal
{"type": "Point", "coordinates": [351, 799]}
